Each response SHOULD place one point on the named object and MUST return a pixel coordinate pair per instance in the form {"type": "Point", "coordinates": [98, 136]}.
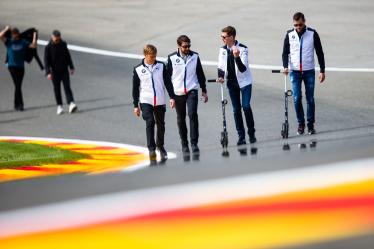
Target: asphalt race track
{"type": "Point", "coordinates": [102, 87]}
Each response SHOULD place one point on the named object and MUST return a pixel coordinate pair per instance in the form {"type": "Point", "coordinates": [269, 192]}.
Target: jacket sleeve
{"type": "Point", "coordinates": [47, 60]}
{"type": "Point", "coordinates": [319, 51]}
{"type": "Point", "coordinates": [69, 60]}
{"type": "Point", "coordinates": [168, 84]}
{"type": "Point", "coordinates": [242, 61]}
{"type": "Point", "coordinates": [200, 75]}
{"type": "Point", "coordinates": [135, 88]}
{"type": "Point", "coordinates": [169, 67]}
{"type": "Point", "coordinates": [286, 51]}
{"type": "Point", "coordinates": [221, 65]}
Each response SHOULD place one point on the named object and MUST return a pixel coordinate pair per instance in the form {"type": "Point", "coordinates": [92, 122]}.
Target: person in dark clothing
{"type": "Point", "coordinates": [233, 66]}
{"type": "Point", "coordinates": [187, 76]}
{"type": "Point", "coordinates": [57, 62]}
{"type": "Point", "coordinates": [298, 53]}
{"type": "Point", "coordinates": [16, 49]}
{"type": "Point", "coordinates": [150, 78]}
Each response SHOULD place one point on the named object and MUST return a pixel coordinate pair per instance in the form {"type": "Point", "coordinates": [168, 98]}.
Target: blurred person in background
{"type": "Point", "coordinates": [16, 51]}
{"type": "Point", "coordinates": [57, 62]}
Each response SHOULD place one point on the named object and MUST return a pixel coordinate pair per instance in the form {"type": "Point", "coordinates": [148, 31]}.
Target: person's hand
{"type": "Point", "coordinates": [321, 77]}
{"type": "Point", "coordinates": [172, 103]}
{"type": "Point", "coordinates": [137, 111]}
{"type": "Point", "coordinates": [7, 27]}
{"type": "Point", "coordinates": [49, 76]}
{"type": "Point", "coordinates": [286, 71]}
{"type": "Point", "coordinates": [220, 80]}
{"type": "Point", "coordinates": [205, 97]}
{"type": "Point", "coordinates": [235, 51]}
{"type": "Point", "coordinates": [72, 71]}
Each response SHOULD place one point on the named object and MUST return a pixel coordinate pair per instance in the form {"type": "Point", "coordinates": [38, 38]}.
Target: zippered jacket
{"type": "Point", "coordinates": [149, 84]}
{"type": "Point", "coordinates": [243, 74]}
{"type": "Point", "coordinates": [186, 76]}
{"type": "Point", "coordinates": [298, 50]}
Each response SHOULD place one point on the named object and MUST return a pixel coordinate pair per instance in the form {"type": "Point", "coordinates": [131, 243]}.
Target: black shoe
{"type": "Point", "coordinates": [311, 131]}
{"type": "Point", "coordinates": [241, 141]}
{"type": "Point", "coordinates": [195, 148]}
{"type": "Point", "coordinates": [19, 108]}
{"type": "Point", "coordinates": [252, 139]}
{"type": "Point", "coordinates": [301, 129]}
{"type": "Point", "coordinates": [163, 153]}
{"type": "Point", "coordinates": [185, 149]}
{"type": "Point", "coordinates": [152, 155]}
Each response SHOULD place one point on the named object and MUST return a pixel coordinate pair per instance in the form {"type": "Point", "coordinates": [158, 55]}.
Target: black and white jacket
{"type": "Point", "coordinates": [149, 84]}
{"type": "Point", "coordinates": [244, 77]}
{"type": "Point", "coordinates": [186, 76]}
{"type": "Point", "coordinates": [298, 50]}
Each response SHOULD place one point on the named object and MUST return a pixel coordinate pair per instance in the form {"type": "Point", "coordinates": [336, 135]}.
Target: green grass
{"type": "Point", "coordinates": [13, 154]}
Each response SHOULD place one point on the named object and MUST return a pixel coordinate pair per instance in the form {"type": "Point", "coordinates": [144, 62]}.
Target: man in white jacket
{"type": "Point", "coordinates": [187, 76]}
{"type": "Point", "coordinates": [150, 78]}
{"type": "Point", "coordinates": [298, 54]}
{"type": "Point", "coordinates": [233, 66]}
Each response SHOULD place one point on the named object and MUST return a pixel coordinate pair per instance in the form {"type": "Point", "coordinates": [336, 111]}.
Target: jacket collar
{"type": "Point", "coordinates": [236, 43]}
{"type": "Point", "coordinates": [301, 32]}
{"type": "Point", "coordinates": [143, 63]}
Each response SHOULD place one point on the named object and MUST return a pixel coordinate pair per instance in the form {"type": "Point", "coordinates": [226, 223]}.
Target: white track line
{"type": "Point", "coordinates": [139, 149]}
{"type": "Point", "coordinates": [206, 63]}
{"type": "Point", "coordinates": [130, 204]}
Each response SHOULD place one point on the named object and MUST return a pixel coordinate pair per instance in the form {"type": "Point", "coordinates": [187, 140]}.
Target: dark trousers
{"type": "Point", "coordinates": [17, 74]}
{"type": "Point", "coordinates": [154, 115]}
{"type": "Point", "coordinates": [237, 106]}
{"type": "Point", "coordinates": [190, 101]}
{"type": "Point", "coordinates": [57, 77]}
{"type": "Point", "coordinates": [309, 81]}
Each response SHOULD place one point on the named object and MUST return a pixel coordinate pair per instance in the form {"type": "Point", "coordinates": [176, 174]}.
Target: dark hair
{"type": "Point", "coordinates": [15, 31]}
{"type": "Point", "coordinates": [298, 15]}
{"type": "Point", "coordinates": [56, 33]}
{"type": "Point", "coordinates": [230, 30]}
{"type": "Point", "coordinates": [183, 38]}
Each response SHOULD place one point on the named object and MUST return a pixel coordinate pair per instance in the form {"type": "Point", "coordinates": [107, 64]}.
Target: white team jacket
{"type": "Point", "coordinates": [245, 78]}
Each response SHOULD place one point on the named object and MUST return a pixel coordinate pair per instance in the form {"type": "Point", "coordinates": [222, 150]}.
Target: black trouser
{"type": "Point", "coordinates": [63, 76]}
{"type": "Point", "coordinates": [17, 74]}
{"type": "Point", "coordinates": [190, 100]}
{"type": "Point", "coordinates": [154, 115]}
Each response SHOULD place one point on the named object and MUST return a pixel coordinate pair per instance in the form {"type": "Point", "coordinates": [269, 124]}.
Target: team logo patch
{"type": "Point", "coordinates": [177, 60]}
{"type": "Point", "coordinates": [293, 36]}
{"type": "Point", "coordinates": [143, 71]}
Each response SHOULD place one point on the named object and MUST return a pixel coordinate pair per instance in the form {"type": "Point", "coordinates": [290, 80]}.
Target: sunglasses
{"type": "Point", "coordinates": [224, 37]}
{"type": "Point", "coordinates": [186, 46]}
{"type": "Point", "coordinates": [298, 24]}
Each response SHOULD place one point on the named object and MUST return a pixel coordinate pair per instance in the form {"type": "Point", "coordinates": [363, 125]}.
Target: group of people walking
{"type": "Point", "coordinates": [181, 78]}
{"type": "Point", "coordinates": [183, 75]}
{"type": "Point", "coordinates": [57, 61]}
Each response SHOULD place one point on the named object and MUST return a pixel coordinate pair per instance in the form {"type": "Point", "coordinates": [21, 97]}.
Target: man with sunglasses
{"type": "Point", "coordinates": [233, 66]}
{"type": "Point", "coordinates": [187, 76]}
{"type": "Point", "coordinates": [298, 53]}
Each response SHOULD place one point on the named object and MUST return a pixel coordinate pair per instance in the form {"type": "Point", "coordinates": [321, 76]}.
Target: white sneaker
{"type": "Point", "coordinates": [60, 110]}
{"type": "Point", "coordinates": [73, 107]}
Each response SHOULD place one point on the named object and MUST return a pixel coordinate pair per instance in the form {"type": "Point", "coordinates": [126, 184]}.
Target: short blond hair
{"type": "Point", "coordinates": [149, 49]}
